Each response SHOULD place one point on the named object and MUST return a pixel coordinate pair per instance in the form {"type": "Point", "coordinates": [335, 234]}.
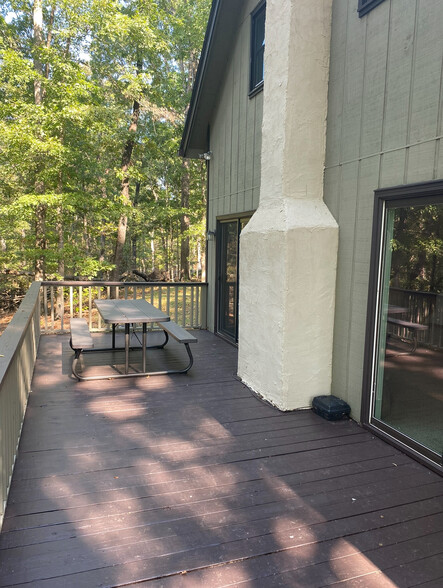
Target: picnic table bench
{"type": "Point", "coordinates": [128, 312]}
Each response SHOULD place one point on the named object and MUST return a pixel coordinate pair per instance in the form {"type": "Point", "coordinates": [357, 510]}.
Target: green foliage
{"type": "Point", "coordinates": [417, 248]}
{"type": "Point", "coordinates": [62, 158]}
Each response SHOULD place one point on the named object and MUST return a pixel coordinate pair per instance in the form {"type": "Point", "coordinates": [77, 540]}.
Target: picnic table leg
{"type": "Point", "coordinates": [113, 335]}
{"type": "Point", "coordinates": [144, 349]}
{"type": "Point", "coordinates": [126, 348]}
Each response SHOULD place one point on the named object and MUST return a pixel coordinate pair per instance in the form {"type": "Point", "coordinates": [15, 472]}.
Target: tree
{"type": "Point", "coordinates": [92, 101]}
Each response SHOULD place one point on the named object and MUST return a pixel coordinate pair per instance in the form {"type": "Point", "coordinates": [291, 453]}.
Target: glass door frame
{"type": "Point", "coordinates": [219, 258]}
{"type": "Point", "coordinates": [409, 195]}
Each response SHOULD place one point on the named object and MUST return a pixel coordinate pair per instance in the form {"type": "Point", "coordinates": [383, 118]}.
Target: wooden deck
{"type": "Point", "coordinates": [190, 481]}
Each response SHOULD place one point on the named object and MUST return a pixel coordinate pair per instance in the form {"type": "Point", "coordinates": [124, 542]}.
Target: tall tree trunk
{"type": "Point", "coordinates": [41, 209]}
{"type": "Point", "coordinates": [184, 222]}
{"type": "Point", "coordinates": [152, 253]}
{"type": "Point", "coordinates": [37, 15]}
{"type": "Point", "coordinates": [49, 37]}
{"type": "Point", "coordinates": [61, 259]}
{"type": "Point", "coordinates": [40, 242]}
{"type": "Point", "coordinates": [126, 200]}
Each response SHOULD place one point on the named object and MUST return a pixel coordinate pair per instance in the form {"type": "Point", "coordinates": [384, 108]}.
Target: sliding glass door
{"type": "Point", "coordinates": [228, 240]}
{"type": "Point", "coordinates": [407, 344]}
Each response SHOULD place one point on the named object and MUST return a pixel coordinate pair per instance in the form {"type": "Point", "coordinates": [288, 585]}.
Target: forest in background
{"type": "Point", "coordinates": [93, 98]}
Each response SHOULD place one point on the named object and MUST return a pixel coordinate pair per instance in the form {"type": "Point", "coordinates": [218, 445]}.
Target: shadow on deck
{"type": "Point", "coordinates": [191, 481]}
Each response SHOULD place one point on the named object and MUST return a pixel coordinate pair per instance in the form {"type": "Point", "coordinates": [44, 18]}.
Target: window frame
{"type": "Point", "coordinates": [255, 86]}
{"type": "Point", "coordinates": [422, 193]}
{"type": "Point", "coordinates": [365, 6]}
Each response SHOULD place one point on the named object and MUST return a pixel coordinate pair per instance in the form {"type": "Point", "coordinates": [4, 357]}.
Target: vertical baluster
{"type": "Point", "coordinates": [176, 303]}
{"type": "Point", "coordinates": [52, 309]}
{"type": "Point", "coordinates": [168, 299]}
{"type": "Point", "coordinates": [134, 292]}
{"type": "Point", "coordinates": [62, 309]}
{"type": "Point", "coordinates": [197, 305]}
{"type": "Point", "coordinates": [45, 306]}
{"type": "Point", "coordinates": [90, 307]}
{"type": "Point", "coordinates": [192, 306]}
{"type": "Point", "coordinates": [126, 292]}
{"type": "Point", "coordinates": [144, 292]}
{"type": "Point", "coordinates": [152, 294]}
{"type": "Point", "coordinates": [99, 316]}
{"type": "Point", "coordinates": [71, 302]}
{"type": "Point", "coordinates": [160, 297]}
{"type": "Point", "coordinates": [108, 292]}
{"type": "Point", "coordinates": [183, 324]}
{"type": "Point", "coordinates": [80, 301]}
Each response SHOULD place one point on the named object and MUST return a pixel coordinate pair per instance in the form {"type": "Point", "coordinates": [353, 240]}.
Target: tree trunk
{"type": "Point", "coordinates": [152, 254]}
{"type": "Point", "coordinates": [40, 242]}
{"type": "Point", "coordinates": [61, 259]}
{"type": "Point", "coordinates": [184, 222]}
{"type": "Point", "coordinates": [126, 200]}
{"type": "Point", "coordinates": [40, 212]}
{"type": "Point", "coordinates": [37, 15]}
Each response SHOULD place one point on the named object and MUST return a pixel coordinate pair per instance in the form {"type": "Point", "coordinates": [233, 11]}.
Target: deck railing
{"type": "Point", "coordinates": [184, 302]}
{"type": "Point", "coordinates": [47, 308]}
{"type": "Point", "coordinates": [18, 350]}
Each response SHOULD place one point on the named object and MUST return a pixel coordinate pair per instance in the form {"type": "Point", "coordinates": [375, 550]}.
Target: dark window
{"type": "Point", "coordinates": [257, 47]}
{"type": "Point", "coordinates": [364, 6]}
{"type": "Point", "coordinates": [228, 244]}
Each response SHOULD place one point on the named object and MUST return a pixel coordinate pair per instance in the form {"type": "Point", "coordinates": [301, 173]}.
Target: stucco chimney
{"type": "Point", "coordinates": [288, 251]}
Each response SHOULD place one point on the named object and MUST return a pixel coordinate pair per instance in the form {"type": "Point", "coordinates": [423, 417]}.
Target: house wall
{"type": "Point", "coordinates": [384, 129]}
{"type": "Point", "coordinates": [235, 142]}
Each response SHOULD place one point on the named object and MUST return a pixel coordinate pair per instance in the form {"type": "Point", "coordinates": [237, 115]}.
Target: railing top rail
{"type": "Point", "coordinates": [103, 283]}
{"type": "Point", "coordinates": [14, 333]}
{"type": "Point", "coordinates": [415, 292]}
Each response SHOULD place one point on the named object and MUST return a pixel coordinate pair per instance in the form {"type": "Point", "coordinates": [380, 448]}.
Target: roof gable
{"type": "Point", "coordinates": [222, 26]}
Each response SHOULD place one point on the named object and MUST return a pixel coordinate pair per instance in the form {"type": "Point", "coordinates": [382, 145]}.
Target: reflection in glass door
{"type": "Point", "coordinates": [408, 368]}
{"type": "Point", "coordinates": [228, 233]}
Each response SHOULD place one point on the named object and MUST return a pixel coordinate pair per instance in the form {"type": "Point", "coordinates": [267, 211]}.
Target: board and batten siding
{"type": "Point", "coordinates": [384, 129]}
{"type": "Point", "coordinates": [235, 142]}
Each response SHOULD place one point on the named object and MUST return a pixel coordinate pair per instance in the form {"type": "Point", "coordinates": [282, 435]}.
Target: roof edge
{"type": "Point", "coordinates": [196, 90]}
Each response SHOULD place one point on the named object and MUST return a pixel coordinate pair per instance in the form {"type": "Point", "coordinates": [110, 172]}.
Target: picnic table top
{"type": "Point", "coordinates": [130, 311]}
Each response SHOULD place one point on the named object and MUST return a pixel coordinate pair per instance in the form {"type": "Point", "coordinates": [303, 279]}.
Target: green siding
{"type": "Point", "coordinates": [384, 129]}
{"type": "Point", "coordinates": [235, 142]}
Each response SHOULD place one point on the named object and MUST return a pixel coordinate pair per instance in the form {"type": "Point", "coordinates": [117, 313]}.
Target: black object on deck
{"type": "Point", "coordinates": [330, 407]}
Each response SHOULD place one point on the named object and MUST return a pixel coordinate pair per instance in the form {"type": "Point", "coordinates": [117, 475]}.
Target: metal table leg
{"type": "Point", "coordinates": [126, 348]}
{"type": "Point", "coordinates": [144, 349]}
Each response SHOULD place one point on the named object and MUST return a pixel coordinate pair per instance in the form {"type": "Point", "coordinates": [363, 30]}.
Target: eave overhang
{"type": "Point", "coordinates": [222, 25]}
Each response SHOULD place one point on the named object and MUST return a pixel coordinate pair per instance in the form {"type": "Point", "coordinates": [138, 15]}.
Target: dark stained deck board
{"type": "Point", "coordinates": [192, 481]}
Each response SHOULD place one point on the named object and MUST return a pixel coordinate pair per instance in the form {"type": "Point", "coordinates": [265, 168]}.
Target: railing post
{"type": "Point", "coordinates": [204, 307]}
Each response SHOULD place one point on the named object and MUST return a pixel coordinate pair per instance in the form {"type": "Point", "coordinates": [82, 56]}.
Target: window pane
{"type": "Point", "coordinates": [409, 371]}
{"type": "Point", "coordinates": [257, 47]}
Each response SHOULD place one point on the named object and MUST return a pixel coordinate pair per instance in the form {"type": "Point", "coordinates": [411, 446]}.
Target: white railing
{"type": "Point", "coordinates": [184, 302]}
{"type": "Point", "coordinates": [18, 350]}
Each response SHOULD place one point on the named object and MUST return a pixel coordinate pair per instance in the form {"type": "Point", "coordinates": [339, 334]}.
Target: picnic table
{"type": "Point", "coordinates": [127, 313]}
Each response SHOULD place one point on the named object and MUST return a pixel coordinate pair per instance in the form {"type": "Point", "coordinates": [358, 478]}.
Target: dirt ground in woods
{"type": "Point", "coordinates": [5, 318]}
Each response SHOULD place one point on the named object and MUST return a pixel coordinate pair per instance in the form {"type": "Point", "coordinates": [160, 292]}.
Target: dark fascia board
{"type": "Point", "coordinates": [222, 25]}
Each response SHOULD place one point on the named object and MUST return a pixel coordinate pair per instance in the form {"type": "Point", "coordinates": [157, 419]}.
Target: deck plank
{"type": "Point", "coordinates": [187, 481]}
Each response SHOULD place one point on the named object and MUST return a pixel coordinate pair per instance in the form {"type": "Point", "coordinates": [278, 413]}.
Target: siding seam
{"type": "Point", "coordinates": [384, 152]}
{"type": "Point", "coordinates": [411, 97]}
{"type": "Point", "coordinates": [439, 123]}
{"type": "Point", "coordinates": [345, 77]}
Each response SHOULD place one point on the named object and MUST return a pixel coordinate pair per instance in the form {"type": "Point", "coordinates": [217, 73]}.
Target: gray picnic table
{"type": "Point", "coordinates": [128, 312]}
